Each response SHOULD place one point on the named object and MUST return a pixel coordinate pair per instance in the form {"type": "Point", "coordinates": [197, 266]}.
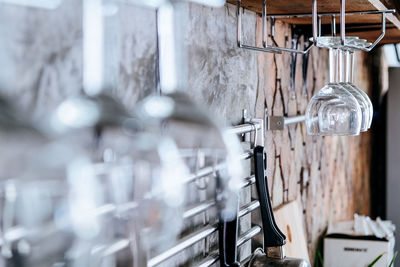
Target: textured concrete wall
{"type": "Point", "coordinates": [42, 66]}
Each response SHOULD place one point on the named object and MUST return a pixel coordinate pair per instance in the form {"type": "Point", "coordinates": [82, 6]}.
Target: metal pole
{"type": "Point", "coordinates": [243, 128]}
{"type": "Point", "coordinates": [333, 25]}
{"type": "Point", "coordinates": [342, 21]}
{"type": "Point", "coordinates": [314, 21]}
{"type": "Point", "coordinates": [296, 119]}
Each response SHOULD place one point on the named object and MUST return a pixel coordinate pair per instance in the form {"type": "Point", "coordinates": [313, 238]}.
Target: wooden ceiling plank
{"type": "Point", "coordinates": [380, 6]}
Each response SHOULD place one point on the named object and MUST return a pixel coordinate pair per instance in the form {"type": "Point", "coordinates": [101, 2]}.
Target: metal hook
{"type": "Point", "coordinates": [333, 25]}
{"type": "Point", "coordinates": [265, 35]}
{"type": "Point", "coordinates": [239, 34]}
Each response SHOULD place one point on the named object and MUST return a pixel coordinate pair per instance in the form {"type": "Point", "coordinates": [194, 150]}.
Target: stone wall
{"type": "Point", "coordinates": [43, 66]}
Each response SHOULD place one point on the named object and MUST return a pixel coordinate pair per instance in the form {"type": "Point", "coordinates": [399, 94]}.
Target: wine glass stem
{"type": "Point", "coordinates": [333, 65]}
{"type": "Point", "coordinates": [342, 66]}
{"type": "Point", "coordinates": [350, 66]}
{"type": "Point", "coordinates": [93, 47]}
{"type": "Point", "coordinates": [171, 18]}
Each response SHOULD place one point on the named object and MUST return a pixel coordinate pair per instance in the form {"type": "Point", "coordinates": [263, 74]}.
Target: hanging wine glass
{"type": "Point", "coordinates": [32, 184]}
{"type": "Point", "coordinates": [197, 133]}
{"type": "Point", "coordinates": [139, 174]}
{"type": "Point", "coordinates": [333, 110]}
{"type": "Point", "coordinates": [349, 81]}
{"type": "Point", "coordinates": [362, 102]}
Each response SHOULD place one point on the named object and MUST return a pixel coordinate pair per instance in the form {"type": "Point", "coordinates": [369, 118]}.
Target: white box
{"type": "Point", "coordinates": [348, 251]}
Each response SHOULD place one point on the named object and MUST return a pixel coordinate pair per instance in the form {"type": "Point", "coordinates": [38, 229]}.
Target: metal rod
{"type": "Point", "coordinates": [246, 209]}
{"type": "Point", "coordinates": [255, 230]}
{"type": "Point", "coordinates": [314, 21]}
{"type": "Point", "coordinates": [209, 261]}
{"type": "Point", "coordinates": [197, 209]}
{"type": "Point", "coordinates": [319, 26]}
{"type": "Point", "coordinates": [333, 25]}
{"type": "Point", "coordinates": [248, 181]}
{"type": "Point", "coordinates": [266, 47]}
{"type": "Point", "coordinates": [244, 128]}
{"type": "Point", "coordinates": [239, 34]}
{"type": "Point", "coordinates": [343, 21]}
{"type": "Point", "coordinates": [204, 172]}
{"type": "Point", "coordinates": [383, 30]}
{"type": "Point", "coordinates": [183, 244]}
{"type": "Point", "coordinates": [203, 233]}
{"type": "Point", "coordinates": [295, 119]}
{"type": "Point", "coordinates": [211, 169]}
{"type": "Point", "coordinates": [322, 14]}
{"type": "Point", "coordinates": [382, 34]}
{"type": "Point", "coordinates": [264, 25]}
{"type": "Point", "coordinates": [277, 48]}
{"type": "Point", "coordinates": [259, 49]}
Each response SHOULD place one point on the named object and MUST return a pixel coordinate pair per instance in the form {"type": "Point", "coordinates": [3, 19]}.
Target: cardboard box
{"type": "Point", "coordinates": [344, 248]}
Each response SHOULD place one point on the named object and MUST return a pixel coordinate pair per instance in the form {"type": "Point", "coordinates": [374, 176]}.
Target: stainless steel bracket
{"type": "Point", "coordinates": [343, 29]}
{"type": "Point", "coordinates": [276, 48]}
{"type": "Point", "coordinates": [277, 123]}
{"type": "Point", "coordinates": [342, 15]}
{"type": "Point", "coordinates": [239, 35]}
{"type": "Point", "coordinates": [266, 47]}
{"type": "Point", "coordinates": [316, 28]}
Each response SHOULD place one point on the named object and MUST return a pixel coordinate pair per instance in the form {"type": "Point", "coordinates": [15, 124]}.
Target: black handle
{"type": "Point", "coordinates": [227, 235]}
{"type": "Point", "coordinates": [227, 229]}
{"type": "Point", "coordinates": [273, 237]}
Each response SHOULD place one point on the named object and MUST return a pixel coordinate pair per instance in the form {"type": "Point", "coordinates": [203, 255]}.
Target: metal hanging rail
{"type": "Point", "coordinates": [266, 47]}
{"type": "Point", "coordinates": [254, 125]}
{"type": "Point", "coordinates": [316, 27]}
{"type": "Point", "coordinates": [324, 14]}
{"type": "Point", "coordinates": [195, 237]}
{"type": "Point", "coordinates": [213, 258]}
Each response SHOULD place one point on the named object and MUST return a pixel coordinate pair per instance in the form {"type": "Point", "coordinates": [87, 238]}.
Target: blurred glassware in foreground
{"type": "Point", "coordinates": [46, 4]}
{"type": "Point", "coordinates": [110, 182]}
